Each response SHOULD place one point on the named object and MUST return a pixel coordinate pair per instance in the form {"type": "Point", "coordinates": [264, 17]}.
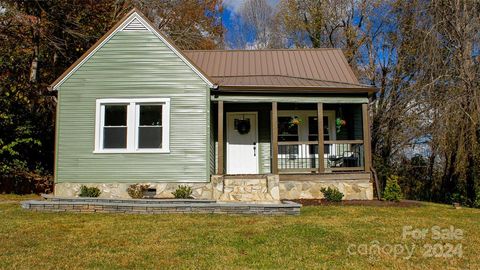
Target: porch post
{"type": "Point", "coordinates": [367, 148]}
{"type": "Point", "coordinates": [220, 138]}
{"type": "Point", "coordinates": [274, 138]}
{"type": "Point", "coordinates": [321, 149]}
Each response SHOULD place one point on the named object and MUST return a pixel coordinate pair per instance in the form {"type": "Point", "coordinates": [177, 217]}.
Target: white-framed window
{"type": "Point", "coordinates": [138, 125]}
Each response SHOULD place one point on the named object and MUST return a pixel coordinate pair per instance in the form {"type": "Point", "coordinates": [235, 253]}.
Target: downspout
{"type": "Point", "coordinates": [377, 184]}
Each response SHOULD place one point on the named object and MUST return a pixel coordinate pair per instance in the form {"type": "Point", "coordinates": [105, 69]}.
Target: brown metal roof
{"type": "Point", "coordinates": [287, 68]}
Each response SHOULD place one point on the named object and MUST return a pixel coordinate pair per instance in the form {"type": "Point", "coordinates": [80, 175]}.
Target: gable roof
{"type": "Point", "coordinates": [298, 70]}
{"type": "Point", "coordinates": [301, 69]}
{"type": "Point", "coordinates": [132, 21]}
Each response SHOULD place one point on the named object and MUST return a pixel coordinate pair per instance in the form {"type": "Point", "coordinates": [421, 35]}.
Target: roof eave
{"type": "Point", "coordinates": [297, 89]}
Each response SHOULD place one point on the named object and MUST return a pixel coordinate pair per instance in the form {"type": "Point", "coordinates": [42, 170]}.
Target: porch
{"type": "Point", "coordinates": [252, 136]}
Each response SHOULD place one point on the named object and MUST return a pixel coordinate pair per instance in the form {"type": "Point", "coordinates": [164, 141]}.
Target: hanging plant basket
{"type": "Point", "coordinates": [295, 121]}
{"type": "Point", "coordinates": [339, 123]}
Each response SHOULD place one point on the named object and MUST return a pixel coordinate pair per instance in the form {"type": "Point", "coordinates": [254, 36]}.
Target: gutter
{"type": "Point", "coordinates": [294, 89]}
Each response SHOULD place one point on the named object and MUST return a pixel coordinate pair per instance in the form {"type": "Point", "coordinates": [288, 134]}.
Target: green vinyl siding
{"type": "Point", "coordinates": [134, 64]}
{"type": "Point", "coordinates": [264, 139]}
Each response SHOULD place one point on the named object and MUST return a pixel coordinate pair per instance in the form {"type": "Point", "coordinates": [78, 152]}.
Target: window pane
{"type": "Point", "coordinates": [115, 115]}
{"type": "Point", "coordinates": [150, 115]}
{"type": "Point", "coordinates": [326, 129]}
{"type": "Point", "coordinates": [284, 126]}
{"type": "Point", "coordinates": [114, 137]}
{"type": "Point", "coordinates": [286, 131]}
{"type": "Point", "coordinates": [313, 128]}
{"type": "Point", "coordinates": [149, 137]}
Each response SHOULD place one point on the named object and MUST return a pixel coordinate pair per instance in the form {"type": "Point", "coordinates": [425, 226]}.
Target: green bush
{"type": "Point", "coordinates": [476, 203]}
{"type": "Point", "coordinates": [457, 197]}
{"type": "Point", "coordinates": [136, 191]}
{"type": "Point", "coordinates": [392, 191]}
{"type": "Point", "coordinates": [89, 191]}
{"type": "Point", "coordinates": [183, 192]}
{"type": "Point", "coordinates": [332, 194]}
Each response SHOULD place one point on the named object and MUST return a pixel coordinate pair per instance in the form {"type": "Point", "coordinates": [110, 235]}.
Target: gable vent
{"type": "Point", "coordinates": [135, 25]}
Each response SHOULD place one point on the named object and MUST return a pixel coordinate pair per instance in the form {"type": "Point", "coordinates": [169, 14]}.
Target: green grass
{"type": "Point", "coordinates": [318, 238]}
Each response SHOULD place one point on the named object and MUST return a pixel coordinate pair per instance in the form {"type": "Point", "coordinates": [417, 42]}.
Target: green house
{"type": "Point", "coordinates": [235, 125]}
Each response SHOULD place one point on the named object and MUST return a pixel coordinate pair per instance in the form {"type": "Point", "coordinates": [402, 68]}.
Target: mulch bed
{"type": "Point", "coordinates": [323, 202]}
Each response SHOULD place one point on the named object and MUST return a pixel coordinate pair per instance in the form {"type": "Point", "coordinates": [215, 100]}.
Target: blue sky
{"type": "Point", "coordinates": [227, 18]}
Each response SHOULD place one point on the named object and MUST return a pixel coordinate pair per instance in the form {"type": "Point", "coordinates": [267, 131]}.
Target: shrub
{"type": "Point", "coordinates": [332, 194]}
{"type": "Point", "coordinates": [136, 191]}
{"type": "Point", "coordinates": [183, 192]}
{"type": "Point", "coordinates": [89, 191]}
{"type": "Point", "coordinates": [476, 203]}
{"type": "Point", "coordinates": [457, 197]}
{"type": "Point", "coordinates": [392, 191]}
{"type": "Point", "coordinates": [25, 183]}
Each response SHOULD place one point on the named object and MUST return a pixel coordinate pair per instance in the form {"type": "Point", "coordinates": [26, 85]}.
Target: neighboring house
{"type": "Point", "coordinates": [234, 125]}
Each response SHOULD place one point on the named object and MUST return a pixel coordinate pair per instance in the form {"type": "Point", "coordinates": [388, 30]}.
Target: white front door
{"type": "Point", "coordinates": [242, 143]}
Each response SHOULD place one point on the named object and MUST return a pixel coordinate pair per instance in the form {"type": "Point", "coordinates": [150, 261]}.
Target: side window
{"type": "Point", "coordinates": [150, 126]}
{"type": "Point", "coordinates": [115, 126]}
{"type": "Point", "coordinates": [132, 125]}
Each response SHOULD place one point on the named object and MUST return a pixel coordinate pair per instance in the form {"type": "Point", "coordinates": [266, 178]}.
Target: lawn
{"type": "Point", "coordinates": [321, 237]}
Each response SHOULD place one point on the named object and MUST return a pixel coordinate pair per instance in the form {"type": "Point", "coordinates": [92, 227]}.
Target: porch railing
{"type": "Point", "coordinates": [302, 156]}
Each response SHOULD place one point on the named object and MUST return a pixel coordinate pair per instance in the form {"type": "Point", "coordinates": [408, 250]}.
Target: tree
{"type": "Point", "coordinates": [336, 24]}
{"type": "Point", "coordinates": [256, 27]}
{"type": "Point", "coordinates": [450, 55]}
{"type": "Point", "coordinates": [40, 39]}
{"type": "Point", "coordinates": [424, 58]}
{"type": "Point", "coordinates": [258, 16]}
{"type": "Point", "coordinates": [191, 24]}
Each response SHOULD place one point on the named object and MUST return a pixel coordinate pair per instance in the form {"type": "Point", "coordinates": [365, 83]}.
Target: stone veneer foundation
{"type": "Point", "coordinates": [352, 189]}
{"type": "Point", "coordinates": [241, 188]}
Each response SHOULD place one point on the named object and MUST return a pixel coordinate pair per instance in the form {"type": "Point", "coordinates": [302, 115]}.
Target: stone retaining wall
{"type": "Point", "coordinates": [286, 208]}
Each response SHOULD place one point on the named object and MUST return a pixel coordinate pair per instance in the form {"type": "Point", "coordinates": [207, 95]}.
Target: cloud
{"type": "Point", "coordinates": [235, 5]}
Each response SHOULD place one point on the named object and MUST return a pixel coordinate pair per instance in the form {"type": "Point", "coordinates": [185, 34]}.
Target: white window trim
{"type": "Point", "coordinates": [132, 124]}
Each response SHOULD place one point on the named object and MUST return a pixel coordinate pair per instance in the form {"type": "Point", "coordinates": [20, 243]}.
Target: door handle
{"type": "Point", "coordinates": [254, 149]}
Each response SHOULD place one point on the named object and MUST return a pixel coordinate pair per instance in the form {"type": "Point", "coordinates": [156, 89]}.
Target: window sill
{"type": "Point", "coordinates": [146, 151]}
